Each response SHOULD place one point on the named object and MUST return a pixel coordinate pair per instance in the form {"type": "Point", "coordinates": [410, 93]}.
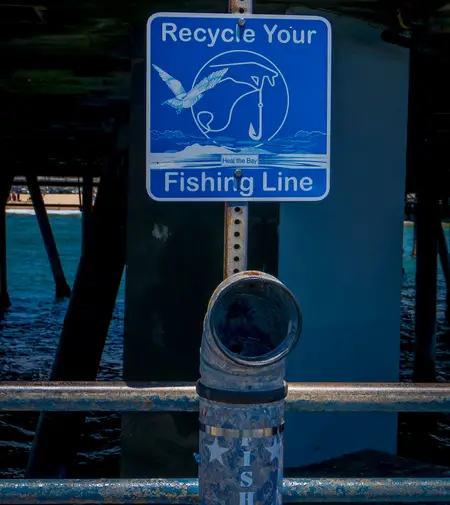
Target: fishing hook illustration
{"type": "Point", "coordinates": [206, 124]}
{"type": "Point", "coordinates": [251, 130]}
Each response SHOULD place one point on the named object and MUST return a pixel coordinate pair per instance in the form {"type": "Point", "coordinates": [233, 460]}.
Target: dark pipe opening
{"type": "Point", "coordinates": [254, 318]}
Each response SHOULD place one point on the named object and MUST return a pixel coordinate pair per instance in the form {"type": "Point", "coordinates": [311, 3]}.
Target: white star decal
{"type": "Point", "coordinates": [274, 449]}
{"type": "Point", "coordinates": [215, 452]}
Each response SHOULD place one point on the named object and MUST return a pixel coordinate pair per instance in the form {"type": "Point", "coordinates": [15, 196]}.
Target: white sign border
{"type": "Point", "coordinates": [147, 105]}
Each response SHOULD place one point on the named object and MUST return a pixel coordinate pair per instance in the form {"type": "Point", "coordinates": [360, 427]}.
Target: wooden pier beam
{"type": "Point", "coordinates": [62, 288]}
{"type": "Point", "coordinates": [86, 324]}
{"type": "Point", "coordinates": [87, 209]}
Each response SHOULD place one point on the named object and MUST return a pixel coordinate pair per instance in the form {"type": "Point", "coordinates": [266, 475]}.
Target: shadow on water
{"type": "Point", "coordinates": [30, 331]}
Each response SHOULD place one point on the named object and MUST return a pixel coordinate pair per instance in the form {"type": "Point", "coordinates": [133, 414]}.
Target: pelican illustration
{"type": "Point", "coordinates": [185, 100]}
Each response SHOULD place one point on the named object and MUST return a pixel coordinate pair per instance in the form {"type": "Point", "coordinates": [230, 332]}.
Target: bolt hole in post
{"type": "Point", "coordinates": [236, 238]}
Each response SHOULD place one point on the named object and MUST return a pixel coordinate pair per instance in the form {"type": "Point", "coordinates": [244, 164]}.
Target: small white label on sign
{"type": "Point", "coordinates": [240, 160]}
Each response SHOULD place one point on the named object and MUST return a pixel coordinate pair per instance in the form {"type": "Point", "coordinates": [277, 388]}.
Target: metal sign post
{"type": "Point", "coordinates": [236, 215]}
{"type": "Point", "coordinates": [236, 236]}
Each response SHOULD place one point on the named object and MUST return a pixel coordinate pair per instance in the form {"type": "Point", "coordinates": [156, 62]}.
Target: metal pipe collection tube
{"type": "Point", "coordinates": [185, 491]}
{"type": "Point", "coordinates": [181, 397]}
{"type": "Point", "coordinates": [251, 324]}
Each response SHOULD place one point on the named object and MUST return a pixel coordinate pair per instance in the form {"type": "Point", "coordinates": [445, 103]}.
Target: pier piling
{"type": "Point", "coordinates": [87, 209]}
{"type": "Point", "coordinates": [445, 263]}
{"type": "Point", "coordinates": [5, 189]}
{"type": "Point", "coordinates": [5, 302]}
{"type": "Point", "coordinates": [421, 136]}
{"type": "Point", "coordinates": [62, 288]}
{"type": "Point", "coordinates": [85, 326]}
{"type": "Point", "coordinates": [426, 284]}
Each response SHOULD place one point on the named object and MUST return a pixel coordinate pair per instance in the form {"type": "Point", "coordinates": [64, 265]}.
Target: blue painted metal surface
{"type": "Point", "coordinates": [162, 491]}
{"type": "Point", "coordinates": [251, 324]}
{"type": "Point", "coordinates": [159, 397]}
{"type": "Point", "coordinates": [229, 116]}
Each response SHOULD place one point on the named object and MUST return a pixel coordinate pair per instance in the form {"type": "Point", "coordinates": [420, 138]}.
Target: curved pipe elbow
{"type": "Point", "coordinates": [252, 323]}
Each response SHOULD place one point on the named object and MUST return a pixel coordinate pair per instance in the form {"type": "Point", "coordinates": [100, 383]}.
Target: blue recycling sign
{"type": "Point", "coordinates": [238, 107]}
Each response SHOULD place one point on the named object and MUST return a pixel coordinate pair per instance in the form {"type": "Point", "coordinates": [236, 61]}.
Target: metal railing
{"type": "Point", "coordinates": [158, 397]}
{"type": "Point", "coordinates": [165, 491]}
{"type": "Point", "coordinates": [181, 397]}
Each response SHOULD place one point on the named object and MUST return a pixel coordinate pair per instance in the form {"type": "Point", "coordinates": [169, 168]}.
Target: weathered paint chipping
{"type": "Point", "coordinates": [164, 491]}
{"type": "Point", "coordinates": [182, 397]}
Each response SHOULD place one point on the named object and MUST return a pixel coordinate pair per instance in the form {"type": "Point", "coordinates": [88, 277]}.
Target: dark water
{"type": "Point", "coordinates": [423, 436]}
{"type": "Point", "coordinates": [29, 336]}
{"type": "Point", "coordinates": [30, 330]}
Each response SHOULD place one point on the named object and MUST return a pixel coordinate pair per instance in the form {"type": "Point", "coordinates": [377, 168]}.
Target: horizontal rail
{"type": "Point", "coordinates": [162, 491]}
{"type": "Point", "coordinates": [179, 397]}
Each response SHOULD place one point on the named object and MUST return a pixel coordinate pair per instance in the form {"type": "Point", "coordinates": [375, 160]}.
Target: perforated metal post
{"type": "Point", "coordinates": [236, 232]}
{"type": "Point", "coordinates": [236, 214]}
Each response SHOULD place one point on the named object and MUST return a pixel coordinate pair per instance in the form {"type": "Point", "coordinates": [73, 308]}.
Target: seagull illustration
{"type": "Point", "coordinates": [185, 100]}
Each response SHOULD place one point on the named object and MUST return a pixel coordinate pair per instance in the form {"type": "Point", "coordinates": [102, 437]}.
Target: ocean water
{"type": "Point", "coordinates": [29, 336]}
{"type": "Point", "coordinates": [423, 436]}
{"type": "Point", "coordinates": [30, 330]}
